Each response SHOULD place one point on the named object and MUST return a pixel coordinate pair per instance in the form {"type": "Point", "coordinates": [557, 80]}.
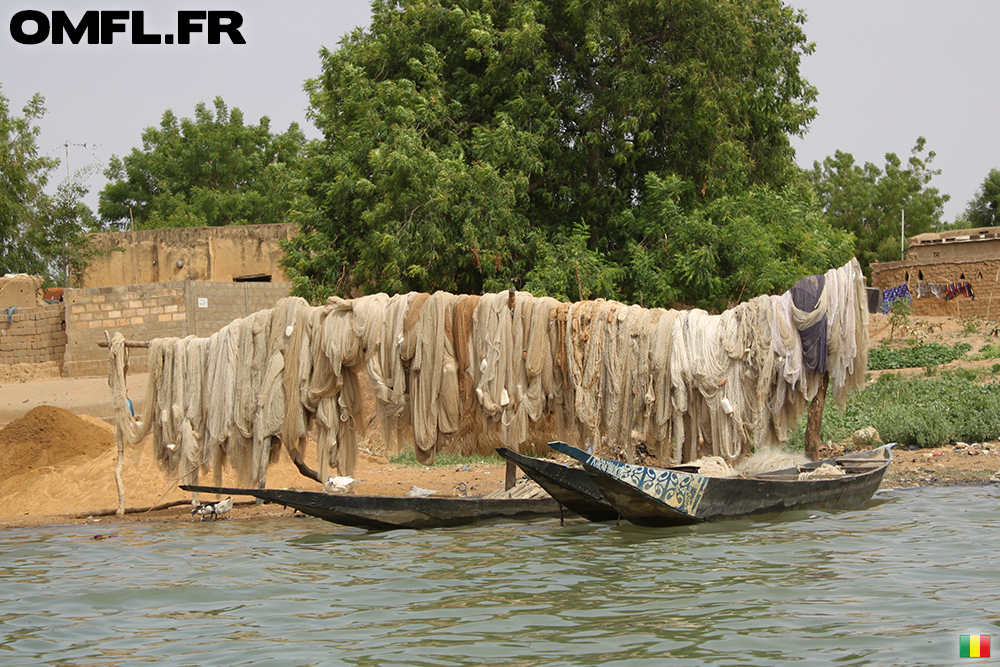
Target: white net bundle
{"type": "Point", "coordinates": [467, 373]}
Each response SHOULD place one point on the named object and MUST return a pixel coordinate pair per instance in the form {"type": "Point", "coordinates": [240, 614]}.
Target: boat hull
{"type": "Point", "coordinates": [572, 487]}
{"type": "Point", "coordinates": [664, 497]}
{"type": "Point", "coordinates": [391, 512]}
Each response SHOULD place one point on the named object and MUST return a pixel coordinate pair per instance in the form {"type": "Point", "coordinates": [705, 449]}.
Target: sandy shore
{"type": "Point", "coordinates": [62, 470]}
{"type": "Point", "coordinates": [80, 487]}
{"type": "Point", "coordinates": [77, 485]}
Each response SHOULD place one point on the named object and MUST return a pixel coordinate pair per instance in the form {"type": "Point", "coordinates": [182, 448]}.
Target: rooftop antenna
{"type": "Point", "coordinates": [90, 147]}
{"type": "Point", "coordinates": [902, 235]}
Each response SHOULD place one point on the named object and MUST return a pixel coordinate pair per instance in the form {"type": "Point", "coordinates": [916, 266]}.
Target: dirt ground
{"type": "Point", "coordinates": [58, 467]}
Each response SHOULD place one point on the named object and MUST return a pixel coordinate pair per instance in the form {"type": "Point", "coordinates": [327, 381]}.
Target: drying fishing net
{"type": "Point", "coordinates": [468, 373]}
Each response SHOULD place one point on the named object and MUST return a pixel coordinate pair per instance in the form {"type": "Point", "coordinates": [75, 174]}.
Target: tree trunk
{"type": "Point", "coordinates": [815, 419]}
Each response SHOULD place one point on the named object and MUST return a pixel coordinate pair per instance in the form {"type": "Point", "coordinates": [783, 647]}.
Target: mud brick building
{"type": "Point", "coordinates": [935, 261]}
{"type": "Point", "coordinates": [149, 284]}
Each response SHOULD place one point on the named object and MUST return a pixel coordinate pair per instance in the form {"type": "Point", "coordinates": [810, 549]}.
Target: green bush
{"type": "Point", "coordinates": [924, 411]}
{"type": "Point", "coordinates": [913, 427]}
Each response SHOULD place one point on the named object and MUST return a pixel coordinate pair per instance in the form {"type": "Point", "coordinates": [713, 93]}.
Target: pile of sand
{"type": "Point", "coordinates": [56, 463]}
{"type": "Point", "coordinates": [47, 437]}
{"type": "Point", "coordinates": [53, 462]}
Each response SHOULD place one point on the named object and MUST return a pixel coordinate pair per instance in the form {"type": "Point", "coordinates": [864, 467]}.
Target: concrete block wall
{"type": "Point", "coordinates": [211, 306]}
{"type": "Point", "coordinates": [139, 312]}
{"type": "Point", "coordinates": [33, 335]}
{"type": "Point", "coordinates": [156, 310]}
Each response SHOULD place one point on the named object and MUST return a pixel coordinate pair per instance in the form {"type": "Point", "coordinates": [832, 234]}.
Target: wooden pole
{"type": "Point", "coordinates": [119, 465]}
{"type": "Point", "coordinates": [120, 448]}
{"type": "Point", "coordinates": [511, 479]}
{"type": "Point", "coordinates": [128, 343]}
{"type": "Point", "coordinates": [816, 418]}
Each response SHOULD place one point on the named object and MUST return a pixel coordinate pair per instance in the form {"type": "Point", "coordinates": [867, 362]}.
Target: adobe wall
{"type": "Point", "coordinates": [219, 254]}
{"type": "Point", "coordinates": [983, 273]}
{"type": "Point", "coordinates": [21, 291]}
{"type": "Point", "coordinates": [956, 250]}
{"type": "Point", "coordinates": [977, 243]}
{"type": "Point", "coordinates": [33, 335]}
{"type": "Point", "coordinates": [144, 312]}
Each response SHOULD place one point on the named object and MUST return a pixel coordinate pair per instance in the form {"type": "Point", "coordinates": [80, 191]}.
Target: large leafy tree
{"type": "Point", "coordinates": [757, 241]}
{"type": "Point", "coordinates": [23, 177]}
{"type": "Point", "coordinates": [40, 233]}
{"type": "Point", "coordinates": [871, 202]}
{"type": "Point", "coordinates": [472, 144]}
{"type": "Point", "coordinates": [212, 169]}
{"type": "Point", "coordinates": [984, 209]}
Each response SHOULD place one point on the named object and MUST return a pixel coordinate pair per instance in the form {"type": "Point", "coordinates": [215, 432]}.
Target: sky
{"type": "Point", "coordinates": [887, 71]}
{"type": "Point", "coordinates": [890, 71]}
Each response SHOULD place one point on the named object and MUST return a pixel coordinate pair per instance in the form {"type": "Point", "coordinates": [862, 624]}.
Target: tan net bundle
{"type": "Point", "coordinates": [468, 373]}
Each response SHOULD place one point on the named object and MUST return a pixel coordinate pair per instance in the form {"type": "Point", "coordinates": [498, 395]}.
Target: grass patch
{"type": "Point", "coordinates": [928, 412]}
{"type": "Point", "coordinates": [920, 356]}
{"type": "Point", "coordinates": [990, 351]}
{"type": "Point", "coordinates": [408, 459]}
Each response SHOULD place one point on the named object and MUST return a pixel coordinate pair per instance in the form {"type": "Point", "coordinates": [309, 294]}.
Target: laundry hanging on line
{"type": "Point", "coordinates": [895, 294]}
{"type": "Point", "coordinates": [946, 291]}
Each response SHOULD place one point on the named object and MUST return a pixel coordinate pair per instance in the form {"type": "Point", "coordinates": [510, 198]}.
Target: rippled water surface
{"type": "Point", "coordinates": [895, 583]}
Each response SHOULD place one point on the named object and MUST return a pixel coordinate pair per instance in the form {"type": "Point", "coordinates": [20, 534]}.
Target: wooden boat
{"type": "Point", "coordinates": [572, 487]}
{"type": "Point", "coordinates": [389, 512]}
{"type": "Point", "coordinates": [675, 497]}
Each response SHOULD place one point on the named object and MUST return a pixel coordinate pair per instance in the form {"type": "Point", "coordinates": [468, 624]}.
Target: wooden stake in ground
{"type": "Point", "coordinates": [119, 464]}
{"type": "Point", "coordinates": [816, 418]}
{"type": "Point", "coordinates": [510, 479]}
{"type": "Point", "coordinates": [119, 445]}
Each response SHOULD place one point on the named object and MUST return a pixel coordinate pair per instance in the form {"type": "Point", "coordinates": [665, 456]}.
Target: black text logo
{"type": "Point", "coordinates": [99, 27]}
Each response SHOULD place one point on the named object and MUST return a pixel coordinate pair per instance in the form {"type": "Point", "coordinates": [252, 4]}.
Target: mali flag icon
{"type": "Point", "coordinates": [974, 646]}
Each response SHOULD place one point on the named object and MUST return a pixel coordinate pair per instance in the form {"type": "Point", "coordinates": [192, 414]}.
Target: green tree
{"type": "Point", "coordinates": [984, 209]}
{"type": "Point", "coordinates": [734, 247]}
{"type": "Point", "coordinates": [62, 237]}
{"type": "Point", "coordinates": [23, 177]}
{"type": "Point", "coordinates": [209, 170]}
{"type": "Point", "coordinates": [870, 202]}
{"type": "Point", "coordinates": [471, 144]}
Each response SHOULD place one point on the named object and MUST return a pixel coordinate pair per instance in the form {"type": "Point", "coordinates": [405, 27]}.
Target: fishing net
{"type": "Point", "coordinates": [467, 373]}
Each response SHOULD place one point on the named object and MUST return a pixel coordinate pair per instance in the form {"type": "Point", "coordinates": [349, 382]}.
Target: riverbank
{"type": "Point", "coordinates": [58, 467]}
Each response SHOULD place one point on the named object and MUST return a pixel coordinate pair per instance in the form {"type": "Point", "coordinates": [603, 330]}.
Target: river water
{"type": "Point", "coordinates": [894, 583]}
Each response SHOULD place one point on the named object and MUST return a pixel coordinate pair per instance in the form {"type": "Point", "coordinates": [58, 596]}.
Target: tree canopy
{"type": "Point", "coordinates": [23, 177]}
{"type": "Point", "coordinates": [475, 144]}
{"type": "Point", "coordinates": [984, 209]}
{"type": "Point", "coordinates": [40, 233]}
{"type": "Point", "coordinates": [870, 202]}
{"type": "Point", "coordinates": [734, 247]}
{"type": "Point", "coordinates": [209, 170]}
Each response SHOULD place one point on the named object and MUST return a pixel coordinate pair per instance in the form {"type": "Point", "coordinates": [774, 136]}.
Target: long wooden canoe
{"type": "Point", "coordinates": [672, 497]}
{"type": "Point", "coordinates": [388, 512]}
{"type": "Point", "coordinates": [572, 487]}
